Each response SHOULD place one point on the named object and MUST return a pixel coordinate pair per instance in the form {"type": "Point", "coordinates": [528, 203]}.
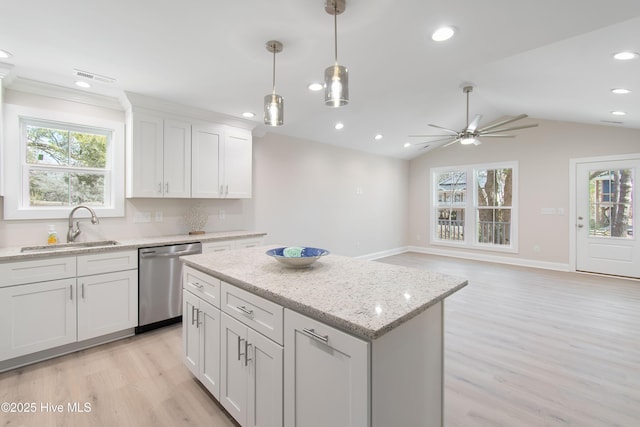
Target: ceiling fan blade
{"type": "Point", "coordinates": [492, 135]}
{"type": "Point", "coordinates": [474, 123]}
{"type": "Point", "coordinates": [451, 143]}
{"type": "Point", "coordinates": [511, 128]}
{"type": "Point", "coordinates": [447, 129]}
{"type": "Point", "coordinates": [503, 122]}
{"type": "Point", "coordinates": [430, 136]}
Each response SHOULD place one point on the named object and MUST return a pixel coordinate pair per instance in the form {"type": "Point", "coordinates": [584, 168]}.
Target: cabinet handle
{"type": "Point", "coordinates": [197, 285]}
{"type": "Point", "coordinates": [198, 318]}
{"type": "Point", "coordinates": [313, 334]}
{"type": "Point", "coordinates": [246, 311]}
{"type": "Point", "coordinates": [239, 352]}
{"type": "Point", "coordinates": [193, 316]}
{"type": "Point", "coordinates": [71, 292]}
{"type": "Point", "coordinates": [246, 352]}
{"type": "Point", "coordinates": [83, 291]}
{"type": "Point", "coordinates": [159, 187]}
{"type": "Point", "coordinates": [166, 187]}
{"type": "Point", "coordinates": [221, 190]}
{"type": "Point", "coordinates": [226, 190]}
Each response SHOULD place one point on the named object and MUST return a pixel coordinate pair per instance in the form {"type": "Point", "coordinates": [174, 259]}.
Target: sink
{"type": "Point", "coordinates": [68, 246]}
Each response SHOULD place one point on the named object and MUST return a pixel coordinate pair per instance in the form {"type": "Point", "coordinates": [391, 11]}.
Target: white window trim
{"type": "Point", "coordinates": [15, 207]}
{"type": "Point", "coordinates": [470, 207]}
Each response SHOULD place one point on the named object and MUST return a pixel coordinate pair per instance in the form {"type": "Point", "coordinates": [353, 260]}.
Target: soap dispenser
{"type": "Point", "coordinates": [53, 235]}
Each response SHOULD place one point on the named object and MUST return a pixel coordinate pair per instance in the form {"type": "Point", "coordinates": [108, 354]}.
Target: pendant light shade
{"type": "Point", "coordinates": [336, 77]}
{"type": "Point", "coordinates": [274, 103]}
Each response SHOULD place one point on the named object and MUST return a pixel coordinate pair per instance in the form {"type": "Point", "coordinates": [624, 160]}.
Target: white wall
{"type": "Point", "coordinates": [543, 155]}
{"type": "Point", "coordinates": [313, 194]}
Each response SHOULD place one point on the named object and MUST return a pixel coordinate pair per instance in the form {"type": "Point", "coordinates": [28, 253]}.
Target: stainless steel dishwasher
{"type": "Point", "coordinates": [160, 284]}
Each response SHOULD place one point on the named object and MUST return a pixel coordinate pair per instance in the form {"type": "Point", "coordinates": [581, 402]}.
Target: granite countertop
{"type": "Point", "coordinates": [365, 298]}
{"type": "Point", "coordinates": [14, 254]}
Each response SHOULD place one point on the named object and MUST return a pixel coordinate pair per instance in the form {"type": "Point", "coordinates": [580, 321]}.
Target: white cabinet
{"type": "Point", "coordinates": [159, 157]}
{"type": "Point", "coordinates": [222, 162]}
{"type": "Point", "coordinates": [107, 303]}
{"type": "Point", "coordinates": [201, 340]}
{"type": "Point", "coordinates": [326, 375]}
{"type": "Point", "coordinates": [39, 313]}
{"type": "Point", "coordinates": [37, 317]}
{"type": "Point", "coordinates": [225, 245]}
{"type": "Point", "coordinates": [251, 381]}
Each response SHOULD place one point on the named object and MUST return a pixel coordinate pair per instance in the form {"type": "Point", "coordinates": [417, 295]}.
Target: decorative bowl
{"type": "Point", "coordinates": [297, 256]}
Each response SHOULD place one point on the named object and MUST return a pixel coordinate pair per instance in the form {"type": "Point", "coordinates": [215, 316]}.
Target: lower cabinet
{"type": "Point", "coordinates": [37, 317]}
{"type": "Point", "coordinates": [326, 375]}
{"type": "Point", "coordinates": [107, 303]}
{"type": "Point", "coordinates": [251, 382]}
{"type": "Point", "coordinates": [201, 340]}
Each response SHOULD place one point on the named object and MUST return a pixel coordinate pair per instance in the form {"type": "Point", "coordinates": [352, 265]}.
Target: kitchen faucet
{"type": "Point", "coordinates": [73, 233]}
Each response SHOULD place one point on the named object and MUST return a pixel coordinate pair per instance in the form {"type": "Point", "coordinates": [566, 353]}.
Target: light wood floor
{"type": "Point", "coordinates": [523, 347]}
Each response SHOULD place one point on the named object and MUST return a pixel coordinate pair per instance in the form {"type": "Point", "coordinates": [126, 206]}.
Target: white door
{"type": "Point", "coordinates": [233, 374]}
{"type": "Point", "coordinates": [190, 332]}
{"type": "Point", "coordinates": [146, 157]}
{"type": "Point", "coordinates": [237, 164]}
{"type": "Point", "coordinates": [264, 406]}
{"type": "Point", "coordinates": [205, 170]}
{"type": "Point", "coordinates": [606, 238]}
{"type": "Point", "coordinates": [177, 159]}
{"type": "Point", "coordinates": [208, 319]}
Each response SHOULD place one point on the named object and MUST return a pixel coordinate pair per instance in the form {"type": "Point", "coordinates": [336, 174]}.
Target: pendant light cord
{"type": "Point", "coordinates": [274, 68]}
{"type": "Point", "coordinates": [335, 27]}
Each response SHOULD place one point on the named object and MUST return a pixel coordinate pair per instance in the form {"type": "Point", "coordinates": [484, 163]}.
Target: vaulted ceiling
{"type": "Point", "coordinates": [550, 59]}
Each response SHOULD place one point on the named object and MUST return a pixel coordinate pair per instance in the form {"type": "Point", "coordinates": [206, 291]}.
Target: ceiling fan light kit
{"type": "Point", "coordinates": [336, 77]}
{"type": "Point", "coordinates": [471, 134]}
{"type": "Point", "coordinates": [274, 103]}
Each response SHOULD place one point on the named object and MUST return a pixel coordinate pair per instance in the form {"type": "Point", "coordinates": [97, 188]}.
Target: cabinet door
{"type": "Point", "coordinates": [264, 405]}
{"type": "Point", "coordinates": [37, 317]}
{"type": "Point", "coordinates": [177, 159]}
{"type": "Point", "coordinates": [190, 333]}
{"type": "Point", "coordinates": [145, 160]}
{"type": "Point", "coordinates": [237, 164]}
{"type": "Point", "coordinates": [233, 376]}
{"type": "Point", "coordinates": [107, 303]}
{"type": "Point", "coordinates": [326, 375]}
{"type": "Point", "coordinates": [206, 146]}
{"type": "Point", "coordinates": [208, 321]}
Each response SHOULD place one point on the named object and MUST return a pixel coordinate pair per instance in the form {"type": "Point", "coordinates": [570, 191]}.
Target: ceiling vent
{"type": "Point", "coordinates": [92, 76]}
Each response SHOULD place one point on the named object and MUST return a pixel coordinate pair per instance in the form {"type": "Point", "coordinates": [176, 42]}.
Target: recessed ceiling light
{"type": "Point", "coordinates": [620, 91]}
{"type": "Point", "coordinates": [378, 137]}
{"type": "Point", "coordinates": [618, 113]}
{"type": "Point", "coordinates": [4, 54]}
{"type": "Point", "coordinates": [248, 114]}
{"type": "Point", "coordinates": [339, 125]}
{"type": "Point", "coordinates": [407, 144]}
{"type": "Point", "coordinates": [83, 84]}
{"type": "Point", "coordinates": [625, 56]}
{"type": "Point", "coordinates": [442, 34]}
{"type": "Point", "coordinates": [315, 87]}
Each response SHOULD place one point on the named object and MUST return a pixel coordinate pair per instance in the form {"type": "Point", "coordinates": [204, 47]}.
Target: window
{"type": "Point", "coordinates": [62, 160]}
{"type": "Point", "coordinates": [491, 206]}
{"type": "Point", "coordinates": [65, 165]}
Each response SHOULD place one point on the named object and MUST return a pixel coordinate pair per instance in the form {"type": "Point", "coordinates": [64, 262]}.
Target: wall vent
{"type": "Point", "coordinates": [93, 77]}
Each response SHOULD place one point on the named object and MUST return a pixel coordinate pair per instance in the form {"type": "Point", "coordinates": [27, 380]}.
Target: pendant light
{"type": "Point", "coordinates": [336, 77]}
{"type": "Point", "coordinates": [273, 103]}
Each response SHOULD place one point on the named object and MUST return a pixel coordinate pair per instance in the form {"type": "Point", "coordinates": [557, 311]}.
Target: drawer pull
{"type": "Point", "coordinates": [246, 311]}
{"type": "Point", "coordinates": [196, 284]}
{"type": "Point", "coordinates": [313, 334]}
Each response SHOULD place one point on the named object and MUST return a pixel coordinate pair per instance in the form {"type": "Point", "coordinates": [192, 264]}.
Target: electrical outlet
{"type": "Point", "coordinates": [221, 214]}
{"type": "Point", "coordinates": [158, 216]}
{"type": "Point", "coordinates": [141, 217]}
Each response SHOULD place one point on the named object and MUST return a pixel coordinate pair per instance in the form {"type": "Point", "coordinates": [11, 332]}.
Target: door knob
{"type": "Point", "coordinates": [580, 225]}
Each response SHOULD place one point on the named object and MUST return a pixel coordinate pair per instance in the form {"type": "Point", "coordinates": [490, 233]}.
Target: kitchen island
{"type": "Point", "coordinates": [362, 341]}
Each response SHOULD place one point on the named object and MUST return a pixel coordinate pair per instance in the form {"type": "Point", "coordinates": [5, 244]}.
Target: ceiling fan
{"type": "Point", "coordinates": [471, 133]}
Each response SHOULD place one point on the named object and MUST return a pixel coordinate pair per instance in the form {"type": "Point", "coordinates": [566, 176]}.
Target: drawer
{"type": "Point", "coordinates": [37, 270]}
{"type": "Point", "coordinates": [107, 262]}
{"type": "Point", "coordinates": [201, 284]}
{"type": "Point", "coordinates": [256, 312]}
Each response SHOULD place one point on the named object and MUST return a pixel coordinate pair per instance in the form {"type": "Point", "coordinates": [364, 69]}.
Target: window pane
{"type": "Point", "coordinates": [452, 187]}
{"type": "Point", "coordinates": [450, 225]}
{"type": "Point", "coordinates": [494, 187]}
{"type": "Point", "coordinates": [611, 203]}
{"type": "Point", "coordinates": [47, 146]}
{"type": "Point", "coordinates": [494, 226]}
{"type": "Point", "coordinates": [88, 150]}
{"type": "Point", "coordinates": [53, 188]}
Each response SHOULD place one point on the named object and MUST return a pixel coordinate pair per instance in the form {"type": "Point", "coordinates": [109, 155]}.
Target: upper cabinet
{"type": "Point", "coordinates": [186, 156]}
{"type": "Point", "coordinates": [221, 162]}
{"type": "Point", "coordinates": [159, 157]}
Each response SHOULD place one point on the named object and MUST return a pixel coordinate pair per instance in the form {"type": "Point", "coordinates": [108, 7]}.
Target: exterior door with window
{"type": "Point", "coordinates": [606, 237]}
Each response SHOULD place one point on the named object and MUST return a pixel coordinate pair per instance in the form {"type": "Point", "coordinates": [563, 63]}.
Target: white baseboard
{"type": "Point", "coordinates": [378, 255]}
{"type": "Point", "coordinates": [557, 266]}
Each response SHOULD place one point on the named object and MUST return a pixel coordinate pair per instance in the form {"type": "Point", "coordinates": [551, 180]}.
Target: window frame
{"type": "Point", "coordinates": [16, 206]}
{"type": "Point", "coordinates": [471, 207]}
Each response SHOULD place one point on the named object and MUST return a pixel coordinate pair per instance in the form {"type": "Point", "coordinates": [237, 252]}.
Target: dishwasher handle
{"type": "Point", "coordinates": [153, 254]}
